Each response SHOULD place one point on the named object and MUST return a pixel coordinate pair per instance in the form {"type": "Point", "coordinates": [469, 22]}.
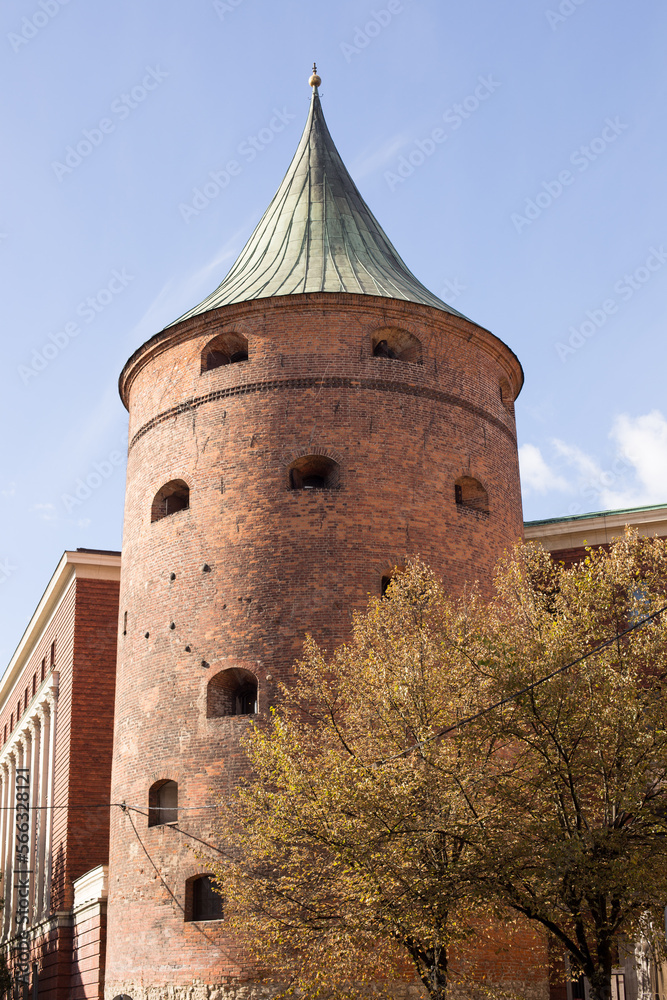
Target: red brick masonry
{"type": "Point", "coordinates": [238, 578]}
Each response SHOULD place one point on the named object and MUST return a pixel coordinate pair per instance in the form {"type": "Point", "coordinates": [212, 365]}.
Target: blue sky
{"type": "Point", "coordinates": [541, 216]}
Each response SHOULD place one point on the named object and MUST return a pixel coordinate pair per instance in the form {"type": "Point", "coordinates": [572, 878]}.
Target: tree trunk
{"type": "Point", "coordinates": [432, 968]}
{"type": "Point", "coordinates": [437, 984]}
{"type": "Point", "coordinates": [600, 986]}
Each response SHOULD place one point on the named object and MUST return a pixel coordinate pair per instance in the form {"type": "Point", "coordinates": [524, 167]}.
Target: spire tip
{"type": "Point", "coordinates": [315, 80]}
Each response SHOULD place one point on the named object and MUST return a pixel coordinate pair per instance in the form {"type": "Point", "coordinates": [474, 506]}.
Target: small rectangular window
{"type": "Point", "coordinates": [18, 710]}
{"type": "Point", "coordinates": [11, 723]}
{"type": "Point", "coordinates": [5, 737]}
{"type": "Point", "coordinates": [43, 668]}
{"type": "Point", "coordinates": [26, 699]}
{"type": "Point", "coordinates": [53, 654]}
{"type": "Point", "coordinates": [34, 684]}
{"type": "Point", "coordinates": [206, 902]}
{"type": "Point", "coordinates": [618, 986]}
{"type": "Point", "coordinates": [578, 989]}
{"type": "Point", "coordinates": [125, 623]}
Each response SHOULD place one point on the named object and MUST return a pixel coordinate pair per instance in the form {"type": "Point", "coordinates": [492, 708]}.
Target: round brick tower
{"type": "Point", "coordinates": [317, 419]}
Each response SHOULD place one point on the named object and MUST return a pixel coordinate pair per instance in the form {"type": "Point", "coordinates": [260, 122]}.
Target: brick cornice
{"type": "Point", "coordinates": [73, 565]}
{"type": "Point", "coordinates": [389, 312]}
{"type": "Point", "coordinates": [321, 382]}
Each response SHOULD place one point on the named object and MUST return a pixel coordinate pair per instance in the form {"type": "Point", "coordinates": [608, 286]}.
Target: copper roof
{"type": "Point", "coordinates": [318, 235]}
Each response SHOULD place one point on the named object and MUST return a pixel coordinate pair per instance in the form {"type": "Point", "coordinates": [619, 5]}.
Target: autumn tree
{"type": "Point", "coordinates": [447, 762]}
{"type": "Point", "coordinates": [581, 764]}
{"type": "Point", "coordinates": [353, 858]}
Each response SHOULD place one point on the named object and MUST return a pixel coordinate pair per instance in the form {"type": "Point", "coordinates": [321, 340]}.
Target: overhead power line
{"type": "Point", "coordinates": [177, 829]}
{"type": "Point", "coordinates": [517, 694]}
{"type": "Point", "coordinates": [110, 805]}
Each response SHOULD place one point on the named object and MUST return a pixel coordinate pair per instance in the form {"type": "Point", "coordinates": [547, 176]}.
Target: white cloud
{"type": "Point", "coordinates": [642, 445]}
{"type": "Point", "coordinates": [575, 457]}
{"type": "Point", "coordinates": [46, 511]}
{"type": "Point", "coordinates": [536, 476]}
{"type": "Point", "coordinates": [636, 475]}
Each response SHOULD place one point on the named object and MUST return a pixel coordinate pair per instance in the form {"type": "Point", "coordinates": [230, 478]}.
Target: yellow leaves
{"type": "Point", "coordinates": [361, 829]}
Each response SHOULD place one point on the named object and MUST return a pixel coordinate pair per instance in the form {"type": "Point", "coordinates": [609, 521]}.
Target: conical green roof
{"type": "Point", "coordinates": [318, 235]}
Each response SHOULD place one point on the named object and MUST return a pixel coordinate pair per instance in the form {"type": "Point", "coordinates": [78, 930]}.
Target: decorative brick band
{"type": "Point", "coordinates": [320, 382]}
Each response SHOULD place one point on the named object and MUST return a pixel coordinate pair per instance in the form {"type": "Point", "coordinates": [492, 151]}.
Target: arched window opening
{"type": "Point", "coordinates": [163, 803]}
{"type": "Point", "coordinates": [387, 578]}
{"type": "Point", "coordinates": [173, 496]}
{"type": "Point", "coordinates": [507, 396]}
{"type": "Point", "coordinates": [225, 349]}
{"type": "Point", "coordinates": [397, 345]}
{"type": "Point", "coordinates": [471, 495]}
{"type": "Point", "coordinates": [231, 692]}
{"type": "Point", "coordinates": [202, 900]}
{"type": "Point", "coordinates": [383, 350]}
{"type": "Point", "coordinates": [314, 472]}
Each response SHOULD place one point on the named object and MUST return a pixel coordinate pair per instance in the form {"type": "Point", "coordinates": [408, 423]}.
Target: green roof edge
{"type": "Point", "coordinates": [596, 513]}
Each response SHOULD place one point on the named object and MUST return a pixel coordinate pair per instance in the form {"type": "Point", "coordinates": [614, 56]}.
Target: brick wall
{"type": "Point", "coordinates": [84, 734]}
{"type": "Point", "coordinates": [569, 557]}
{"type": "Point", "coordinates": [513, 958]}
{"type": "Point", "coordinates": [52, 953]}
{"type": "Point", "coordinates": [91, 735]}
{"type": "Point", "coordinates": [84, 630]}
{"type": "Point", "coordinates": [238, 579]}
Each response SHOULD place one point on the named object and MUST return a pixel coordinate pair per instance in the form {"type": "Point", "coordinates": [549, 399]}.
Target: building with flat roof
{"type": "Point", "coordinates": [56, 727]}
{"type": "Point", "coordinates": [567, 537]}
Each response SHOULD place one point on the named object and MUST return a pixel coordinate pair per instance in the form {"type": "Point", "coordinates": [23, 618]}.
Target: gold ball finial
{"type": "Point", "coordinates": [315, 80]}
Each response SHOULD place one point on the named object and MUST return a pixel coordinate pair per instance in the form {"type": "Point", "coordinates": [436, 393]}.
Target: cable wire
{"type": "Point", "coordinates": [385, 760]}
{"type": "Point", "coordinates": [110, 805]}
{"type": "Point", "coordinates": [178, 829]}
{"type": "Point", "coordinates": [216, 944]}
{"type": "Point", "coordinates": [517, 694]}
{"type": "Point", "coordinates": [153, 865]}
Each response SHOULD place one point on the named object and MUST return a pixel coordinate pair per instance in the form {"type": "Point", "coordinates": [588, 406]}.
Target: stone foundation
{"type": "Point", "coordinates": [195, 991]}
{"type": "Point", "coordinates": [255, 991]}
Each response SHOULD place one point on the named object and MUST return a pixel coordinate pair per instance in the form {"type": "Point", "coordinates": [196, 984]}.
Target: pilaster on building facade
{"type": "Point", "coordinates": [56, 725]}
{"type": "Point", "coordinates": [314, 422]}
